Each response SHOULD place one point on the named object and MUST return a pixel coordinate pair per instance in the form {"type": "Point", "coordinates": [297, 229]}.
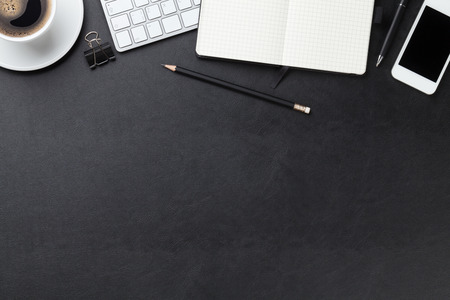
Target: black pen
{"type": "Point", "coordinates": [391, 33]}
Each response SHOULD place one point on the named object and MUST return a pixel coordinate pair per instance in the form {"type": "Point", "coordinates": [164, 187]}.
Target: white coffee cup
{"type": "Point", "coordinates": [29, 37]}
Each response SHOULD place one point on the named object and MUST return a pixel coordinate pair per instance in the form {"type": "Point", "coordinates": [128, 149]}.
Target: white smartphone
{"type": "Point", "coordinates": [426, 52]}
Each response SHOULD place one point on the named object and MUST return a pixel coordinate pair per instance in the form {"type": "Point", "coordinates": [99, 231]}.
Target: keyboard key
{"type": "Point", "coordinates": [120, 22]}
{"type": "Point", "coordinates": [183, 4]}
{"type": "Point", "coordinates": [190, 18]}
{"type": "Point", "coordinates": [171, 24]}
{"type": "Point", "coordinates": [118, 6]}
{"type": "Point", "coordinates": [123, 39]}
{"type": "Point", "coordinates": [154, 29]}
{"type": "Point", "coordinates": [140, 3]}
{"type": "Point", "coordinates": [153, 12]}
{"type": "Point", "coordinates": [196, 2]}
{"type": "Point", "coordinates": [137, 16]}
{"type": "Point", "coordinates": [139, 34]}
{"type": "Point", "coordinates": [168, 7]}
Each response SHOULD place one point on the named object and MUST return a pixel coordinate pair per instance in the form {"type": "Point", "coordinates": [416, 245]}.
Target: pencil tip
{"type": "Point", "coordinates": [170, 67]}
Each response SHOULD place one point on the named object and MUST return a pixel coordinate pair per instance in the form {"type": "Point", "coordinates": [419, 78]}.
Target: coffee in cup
{"type": "Point", "coordinates": [22, 19]}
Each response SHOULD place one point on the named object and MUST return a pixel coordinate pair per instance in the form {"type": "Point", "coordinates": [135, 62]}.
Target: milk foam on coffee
{"type": "Point", "coordinates": [20, 18]}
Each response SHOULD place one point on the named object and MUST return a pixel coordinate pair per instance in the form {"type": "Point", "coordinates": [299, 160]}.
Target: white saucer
{"type": "Point", "coordinates": [50, 47]}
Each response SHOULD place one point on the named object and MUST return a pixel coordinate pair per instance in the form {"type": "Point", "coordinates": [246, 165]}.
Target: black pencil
{"type": "Point", "coordinates": [238, 88]}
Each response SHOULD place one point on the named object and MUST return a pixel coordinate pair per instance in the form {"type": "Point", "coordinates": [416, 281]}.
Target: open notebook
{"type": "Point", "coordinates": [329, 35]}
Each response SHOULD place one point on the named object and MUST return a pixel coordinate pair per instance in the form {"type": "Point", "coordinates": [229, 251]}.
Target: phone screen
{"type": "Point", "coordinates": [429, 46]}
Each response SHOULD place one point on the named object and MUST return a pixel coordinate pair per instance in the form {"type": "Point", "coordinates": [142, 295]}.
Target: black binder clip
{"type": "Point", "coordinates": [99, 54]}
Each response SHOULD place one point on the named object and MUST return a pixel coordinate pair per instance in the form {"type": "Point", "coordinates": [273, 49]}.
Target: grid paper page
{"type": "Point", "coordinates": [243, 30]}
{"type": "Point", "coordinates": [329, 35]}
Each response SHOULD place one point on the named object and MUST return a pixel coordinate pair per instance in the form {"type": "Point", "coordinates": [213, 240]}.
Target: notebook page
{"type": "Point", "coordinates": [243, 29]}
{"type": "Point", "coordinates": [331, 35]}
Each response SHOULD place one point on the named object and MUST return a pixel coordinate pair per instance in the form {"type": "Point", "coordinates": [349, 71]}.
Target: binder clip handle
{"type": "Point", "coordinates": [95, 39]}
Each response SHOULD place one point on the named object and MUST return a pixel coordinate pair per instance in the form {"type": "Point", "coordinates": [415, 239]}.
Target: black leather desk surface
{"type": "Point", "coordinates": [133, 182]}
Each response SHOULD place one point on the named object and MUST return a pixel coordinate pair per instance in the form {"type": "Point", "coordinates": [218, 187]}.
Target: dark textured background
{"type": "Point", "coordinates": [133, 182]}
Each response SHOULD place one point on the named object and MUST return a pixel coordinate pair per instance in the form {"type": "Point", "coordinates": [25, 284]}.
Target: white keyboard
{"type": "Point", "coordinates": [134, 23]}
